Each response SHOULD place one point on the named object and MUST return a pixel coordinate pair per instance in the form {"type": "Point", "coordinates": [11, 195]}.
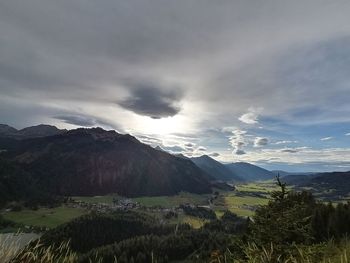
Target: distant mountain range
{"type": "Point", "coordinates": [250, 172]}
{"type": "Point", "coordinates": [334, 184]}
{"type": "Point", "coordinates": [284, 173]}
{"type": "Point", "coordinates": [96, 162]}
{"type": "Point", "coordinates": [233, 172]}
{"type": "Point", "coordinates": [216, 169]}
{"type": "Point", "coordinates": [41, 130]}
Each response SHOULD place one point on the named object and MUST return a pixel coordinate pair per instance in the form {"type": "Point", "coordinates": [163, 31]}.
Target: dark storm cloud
{"type": "Point", "coordinates": [151, 101]}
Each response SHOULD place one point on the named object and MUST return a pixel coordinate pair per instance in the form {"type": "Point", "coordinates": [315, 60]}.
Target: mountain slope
{"type": "Point", "coordinates": [41, 130]}
{"type": "Point", "coordinates": [250, 172]}
{"type": "Point", "coordinates": [215, 169]}
{"type": "Point", "coordinates": [96, 162]}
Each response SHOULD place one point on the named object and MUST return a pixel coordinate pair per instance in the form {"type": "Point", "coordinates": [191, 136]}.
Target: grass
{"type": "Point", "coordinates": [264, 187]}
{"type": "Point", "coordinates": [149, 201]}
{"type": "Point", "coordinates": [233, 200]}
{"type": "Point", "coordinates": [11, 244]}
{"type": "Point", "coordinates": [172, 201]}
{"type": "Point", "coordinates": [9, 252]}
{"type": "Point", "coordinates": [195, 222]}
{"type": "Point", "coordinates": [318, 253]}
{"type": "Point", "coordinates": [44, 217]}
{"type": "Point", "coordinates": [106, 199]}
{"type": "Point", "coordinates": [243, 205]}
{"type": "Point", "coordinates": [244, 200]}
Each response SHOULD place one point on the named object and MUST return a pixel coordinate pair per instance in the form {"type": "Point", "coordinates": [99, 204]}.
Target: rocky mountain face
{"type": "Point", "coordinates": [96, 162]}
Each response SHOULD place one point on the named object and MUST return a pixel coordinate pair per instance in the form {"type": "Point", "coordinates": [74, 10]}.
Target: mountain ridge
{"type": "Point", "coordinates": [96, 162]}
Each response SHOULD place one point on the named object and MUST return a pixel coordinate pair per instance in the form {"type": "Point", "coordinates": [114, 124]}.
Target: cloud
{"type": "Point", "coordinates": [77, 120]}
{"type": "Point", "coordinates": [347, 134]}
{"type": "Point", "coordinates": [326, 138]}
{"type": "Point", "coordinates": [152, 101]}
{"type": "Point", "coordinates": [189, 145]}
{"type": "Point", "coordinates": [251, 117]}
{"type": "Point", "coordinates": [238, 141]}
{"type": "Point", "coordinates": [201, 149]}
{"type": "Point", "coordinates": [304, 157]}
{"type": "Point", "coordinates": [260, 141]}
{"type": "Point", "coordinates": [289, 150]}
{"type": "Point", "coordinates": [239, 152]}
{"type": "Point", "coordinates": [173, 148]}
{"type": "Point", "coordinates": [85, 121]}
{"type": "Point", "coordinates": [294, 150]}
{"type": "Point", "coordinates": [149, 140]}
{"type": "Point", "coordinates": [285, 142]}
{"type": "Point", "coordinates": [215, 154]}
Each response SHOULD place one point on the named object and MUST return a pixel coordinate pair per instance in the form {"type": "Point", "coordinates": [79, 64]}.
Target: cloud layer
{"type": "Point", "coordinates": [179, 72]}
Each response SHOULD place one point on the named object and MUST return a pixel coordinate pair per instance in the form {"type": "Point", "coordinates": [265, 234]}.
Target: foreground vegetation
{"type": "Point", "coordinates": [290, 227]}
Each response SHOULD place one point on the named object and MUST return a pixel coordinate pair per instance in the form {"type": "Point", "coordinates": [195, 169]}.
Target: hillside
{"type": "Point", "coordinates": [250, 172]}
{"type": "Point", "coordinates": [97, 162]}
{"type": "Point", "coordinates": [216, 169]}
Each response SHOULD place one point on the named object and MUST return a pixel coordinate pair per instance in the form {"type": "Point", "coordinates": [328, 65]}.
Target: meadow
{"type": "Point", "coordinates": [44, 217]}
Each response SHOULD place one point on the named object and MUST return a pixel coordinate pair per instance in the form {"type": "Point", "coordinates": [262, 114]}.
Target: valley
{"type": "Point", "coordinates": [96, 195]}
{"type": "Point", "coordinates": [243, 201]}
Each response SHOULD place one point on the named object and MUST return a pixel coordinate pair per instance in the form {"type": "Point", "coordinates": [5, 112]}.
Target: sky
{"type": "Point", "coordinates": [265, 82]}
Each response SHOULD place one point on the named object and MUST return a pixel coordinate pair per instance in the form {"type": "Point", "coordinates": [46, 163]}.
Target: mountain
{"type": "Point", "coordinates": [281, 173]}
{"type": "Point", "coordinates": [250, 172]}
{"type": "Point", "coordinates": [333, 185]}
{"type": "Point", "coordinates": [6, 130]}
{"type": "Point", "coordinates": [296, 179]}
{"type": "Point", "coordinates": [41, 130]}
{"type": "Point", "coordinates": [96, 162]}
{"type": "Point", "coordinates": [285, 173]}
{"type": "Point", "coordinates": [216, 169]}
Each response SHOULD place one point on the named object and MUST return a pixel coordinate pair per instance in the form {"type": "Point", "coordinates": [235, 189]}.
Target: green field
{"type": "Point", "coordinates": [44, 217]}
{"type": "Point", "coordinates": [245, 199]}
{"type": "Point", "coordinates": [172, 201]}
{"type": "Point", "coordinates": [105, 199]}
